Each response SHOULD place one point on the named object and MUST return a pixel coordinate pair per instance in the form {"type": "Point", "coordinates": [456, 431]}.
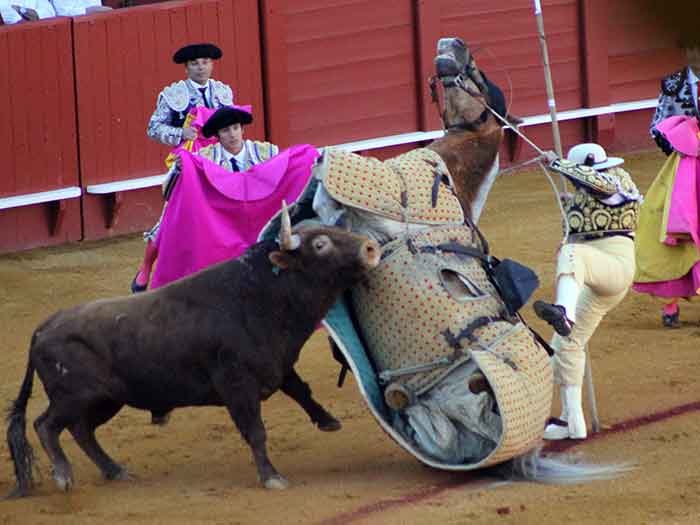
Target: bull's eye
{"type": "Point", "coordinates": [321, 244]}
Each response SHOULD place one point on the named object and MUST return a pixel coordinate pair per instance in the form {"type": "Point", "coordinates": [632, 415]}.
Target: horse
{"type": "Point", "coordinates": [422, 207]}
{"type": "Point", "coordinates": [468, 152]}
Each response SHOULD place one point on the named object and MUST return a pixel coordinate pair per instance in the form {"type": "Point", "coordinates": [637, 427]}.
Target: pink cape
{"type": "Point", "coordinates": [683, 207]}
{"type": "Point", "coordinates": [214, 214]}
{"type": "Point", "coordinates": [682, 133]}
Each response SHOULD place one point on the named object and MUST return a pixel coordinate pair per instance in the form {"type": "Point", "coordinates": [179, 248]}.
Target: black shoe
{"type": "Point", "coordinates": [671, 320]}
{"type": "Point", "coordinates": [136, 287]}
{"type": "Point", "coordinates": [555, 315]}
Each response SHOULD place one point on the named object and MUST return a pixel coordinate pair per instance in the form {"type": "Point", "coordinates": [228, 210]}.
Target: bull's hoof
{"type": "Point", "coordinates": [120, 474]}
{"type": "Point", "coordinates": [17, 492]}
{"type": "Point", "coordinates": [64, 483]}
{"type": "Point", "coordinates": [160, 419]}
{"type": "Point", "coordinates": [276, 482]}
{"type": "Point", "coordinates": [332, 425]}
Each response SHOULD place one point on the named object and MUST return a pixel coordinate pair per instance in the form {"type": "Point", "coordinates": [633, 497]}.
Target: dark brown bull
{"type": "Point", "coordinates": [226, 336]}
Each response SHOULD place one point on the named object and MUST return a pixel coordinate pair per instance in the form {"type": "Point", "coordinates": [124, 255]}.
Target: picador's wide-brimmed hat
{"type": "Point", "coordinates": [594, 156]}
{"type": "Point", "coordinates": [195, 51]}
{"type": "Point", "coordinates": [225, 116]}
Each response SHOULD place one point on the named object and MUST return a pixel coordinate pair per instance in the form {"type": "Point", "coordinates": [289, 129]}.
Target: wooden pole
{"type": "Point", "coordinates": [549, 87]}
{"type": "Point", "coordinates": [548, 78]}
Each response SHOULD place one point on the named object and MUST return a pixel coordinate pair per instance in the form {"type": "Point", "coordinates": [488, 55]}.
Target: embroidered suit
{"type": "Point", "coordinates": [175, 101]}
{"type": "Point", "coordinates": [602, 217]}
{"type": "Point", "coordinates": [679, 97]}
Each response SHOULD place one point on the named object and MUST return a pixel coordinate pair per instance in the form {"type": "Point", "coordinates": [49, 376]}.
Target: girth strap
{"type": "Point", "coordinates": [468, 332]}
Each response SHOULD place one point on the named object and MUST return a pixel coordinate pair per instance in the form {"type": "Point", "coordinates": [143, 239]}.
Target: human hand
{"type": "Point", "coordinates": [189, 134]}
{"type": "Point", "coordinates": [550, 156]}
{"type": "Point", "coordinates": [26, 13]}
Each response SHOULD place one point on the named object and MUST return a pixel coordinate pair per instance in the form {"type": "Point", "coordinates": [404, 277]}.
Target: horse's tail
{"type": "Point", "coordinates": [20, 449]}
{"type": "Point", "coordinates": [559, 468]}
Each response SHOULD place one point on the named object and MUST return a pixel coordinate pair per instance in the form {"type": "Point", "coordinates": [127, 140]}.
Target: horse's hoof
{"type": "Point", "coordinates": [332, 425]}
{"type": "Point", "coordinates": [276, 482]}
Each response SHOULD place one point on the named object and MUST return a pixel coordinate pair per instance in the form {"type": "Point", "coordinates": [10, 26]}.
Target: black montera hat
{"type": "Point", "coordinates": [195, 51]}
{"type": "Point", "coordinates": [225, 116]}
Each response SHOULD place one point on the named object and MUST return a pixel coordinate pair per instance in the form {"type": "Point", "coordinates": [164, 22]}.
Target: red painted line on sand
{"type": "Point", "coordinates": [427, 493]}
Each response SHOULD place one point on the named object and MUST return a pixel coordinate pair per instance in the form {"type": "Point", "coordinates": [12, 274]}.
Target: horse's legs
{"type": "Point", "coordinates": [84, 434]}
{"type": "Point", "coordinates": [49, 426]}
{"type": "Point", "coordinates": [241, 395]}
{"type": "Point", "coordinates": [300, 392]}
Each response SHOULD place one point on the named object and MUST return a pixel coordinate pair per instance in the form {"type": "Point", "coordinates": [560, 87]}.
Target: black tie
{"type": "Point", "coordinates": [234, 164]}
{"type": "Point", "coordinates": [203, 92]}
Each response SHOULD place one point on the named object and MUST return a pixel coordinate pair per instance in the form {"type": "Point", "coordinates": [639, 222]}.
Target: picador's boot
{"type": "Point", "coordinates": [571, 424]}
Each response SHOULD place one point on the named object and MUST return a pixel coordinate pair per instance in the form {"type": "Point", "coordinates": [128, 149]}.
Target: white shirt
{"type": "Point", "coordinates": [241, 157]}
{"type": "Point", "coordinates": [74, 7]}
{"type": "Point", "coordinates": [42, 7]}
{"type": "Point", "coordinates": [207, 93]}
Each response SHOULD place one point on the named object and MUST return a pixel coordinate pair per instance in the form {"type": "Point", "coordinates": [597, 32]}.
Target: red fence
{"type": "Point", "coordinates": [38, 147]}
{"type": "Point", "coordinates": [123, 60]}
{"type": "Point", "coordinates": [339, 71]}
{"type": "Point", "coordinates": [80, 91]}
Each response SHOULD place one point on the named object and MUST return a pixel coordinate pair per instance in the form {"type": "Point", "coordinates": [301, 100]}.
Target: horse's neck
{"type": "Point", "coordinates": [470, 158]}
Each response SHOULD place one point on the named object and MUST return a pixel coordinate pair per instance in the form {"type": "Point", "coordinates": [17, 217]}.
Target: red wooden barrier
{"type": "Point", "coordinates": [503, 37]}
{"type": "Point", "coordinates": [123, 59]}
{"type": "Point", "coordinates": [339, 71]}
{"type": "Point", "coordinates": [38, 140]}
{"type": "Point", "coordinates": [640, 53]}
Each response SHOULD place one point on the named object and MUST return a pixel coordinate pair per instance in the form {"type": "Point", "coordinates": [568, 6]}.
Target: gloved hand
{"type": "Point", "coordinates": [664, 144]}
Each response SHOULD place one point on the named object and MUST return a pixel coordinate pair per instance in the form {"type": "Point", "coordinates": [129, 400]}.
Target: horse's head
{"type": "Point", "coordinates": [467, 90]}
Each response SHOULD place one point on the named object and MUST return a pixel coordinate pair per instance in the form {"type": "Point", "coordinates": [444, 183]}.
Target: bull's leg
{"type": "Point", "coordinates": [241, 395]}
{"type": "Point", "coordinates": [160, 418]}
{"type": "Point", "coordinates": [49, 426]}
{"type": "Point", "coordinates": [300, 392]}
{"type": "Point", "coordinates": [84, 434]}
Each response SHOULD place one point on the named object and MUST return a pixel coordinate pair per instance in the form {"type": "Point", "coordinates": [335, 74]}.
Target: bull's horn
{"type": "Point", "coordinates": [288, 241]}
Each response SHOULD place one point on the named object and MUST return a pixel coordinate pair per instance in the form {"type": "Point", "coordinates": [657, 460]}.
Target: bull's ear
{"type": "Point", "coordinates": [279, 259]}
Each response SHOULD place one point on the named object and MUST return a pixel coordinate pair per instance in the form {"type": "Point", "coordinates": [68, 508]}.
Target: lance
{"type": "Point", "coordinates": [549, 87]}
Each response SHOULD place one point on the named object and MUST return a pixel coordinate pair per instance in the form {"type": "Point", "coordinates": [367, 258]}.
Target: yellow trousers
{"type": "Point", "coordinates": [603, 270]}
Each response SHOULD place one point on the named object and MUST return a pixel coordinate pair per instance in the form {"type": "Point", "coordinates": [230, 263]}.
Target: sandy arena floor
{"type": "Point", "coordinates": [198, 470]}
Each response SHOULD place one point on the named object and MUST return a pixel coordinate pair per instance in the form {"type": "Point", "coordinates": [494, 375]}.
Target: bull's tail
{"type": "Point", "coordinates": [559, 468]}
{"type": "Point", "coordinates": [20, 449]}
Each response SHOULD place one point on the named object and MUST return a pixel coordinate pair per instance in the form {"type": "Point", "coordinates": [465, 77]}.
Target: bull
{"type": "Point", "coordinates": [226, 336]}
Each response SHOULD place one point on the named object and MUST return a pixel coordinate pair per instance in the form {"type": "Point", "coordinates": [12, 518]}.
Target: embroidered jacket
{"type": "Point", "coordinates": [256, 153]}
{"type": "Point", "coordinates": [676, 99]}
{"type": "Point", "coordinates": [173, 104]}
{"type": "Point", "coordinates": [604, 203]}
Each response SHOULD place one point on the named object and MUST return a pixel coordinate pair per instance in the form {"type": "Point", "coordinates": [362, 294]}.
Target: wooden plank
{"type": "Point", "coordinates": [275, 71]}
{"type": "Point", "coordinates": [427, 21]}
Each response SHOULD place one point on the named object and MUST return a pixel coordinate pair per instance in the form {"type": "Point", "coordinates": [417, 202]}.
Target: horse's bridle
{"type": "Point", "coordinates": [458, 81]}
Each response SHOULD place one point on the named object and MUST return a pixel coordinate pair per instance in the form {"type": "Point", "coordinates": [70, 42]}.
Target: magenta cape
{"type": "Point", "coordinates": [214, 214]}
{"type": "Point", "coordinates": [681, 212]}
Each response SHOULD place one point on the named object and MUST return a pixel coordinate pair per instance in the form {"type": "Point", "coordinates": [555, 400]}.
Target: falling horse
{"type": "Point", "coordinates": [447, 367]}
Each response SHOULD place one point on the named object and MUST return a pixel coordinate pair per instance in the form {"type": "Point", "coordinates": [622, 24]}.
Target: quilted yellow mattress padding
{"type": "Point", "coordinates": [414, 187]}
